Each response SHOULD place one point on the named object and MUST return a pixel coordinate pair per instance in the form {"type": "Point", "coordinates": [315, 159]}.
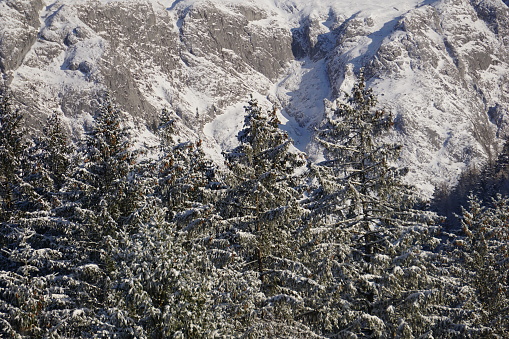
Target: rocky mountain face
{"type": "Point", "coordinates": [441, 67]}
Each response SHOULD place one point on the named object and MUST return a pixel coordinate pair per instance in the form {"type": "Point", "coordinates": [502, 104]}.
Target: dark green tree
{"type": "Point", "coordinates": [370, 241]}
{"type": "Point", "coordinates": [187, 180]}
{"type": "Point", "coordinates": [482, 252]}
{"type": "Point", "coordinates": [32, 260]}
{"type": "Point", "coordinates": [99, 197]}
{"type": "Point", "coordinates": [262, 215]}
{"type": "Point", "coordinates": [16, 196]}
{"type": "Point", "coordinates": [53, 154]}
{"type": "Point", "coordinates": [165, 281]}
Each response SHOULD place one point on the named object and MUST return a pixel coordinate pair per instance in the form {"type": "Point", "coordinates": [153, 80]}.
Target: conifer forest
{"type": "Point", "coordinates": [102, 239]}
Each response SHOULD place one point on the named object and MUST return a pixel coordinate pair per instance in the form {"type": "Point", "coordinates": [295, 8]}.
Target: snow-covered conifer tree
{"type": "Point", "coordinates": [482, 252]}
{"type": "Point", "coordinates": [261, 215]}
{"type": "Point", "coordinates": [186, 180]}
{"type": "Point", "coordinates": [53, 154]}
{"type": "Point", "coordinates": [261, 203]}
{"type": "Point", "coordinates": [16, 195]}
{"type": "Point", "coordinates": [32, 259]}
{"type": "Point", "coordinates": [99, 199]}
{"type": "Point", "coordinates": [164, 284]}
{"type": "Point", "coordinates": [370, 241]}
{"type": "Point", "coordinates": [165, 279]}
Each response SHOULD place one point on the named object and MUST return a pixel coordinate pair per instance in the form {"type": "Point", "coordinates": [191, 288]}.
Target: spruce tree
{"type": "Point", "coordinates": [16, 196]}
{"type": "Point", "coordinates": [368, 240]}
{"type": "Point", "coordinates": [34, 261]}
{"type": "Point", "coordinates": [261, 214]}
{"type": "Point", "coordinates": [483, 265]}
{"type": "Point", "coordinates": [165, 278]}
{"type": "Point", "coordinates": [262, 203]}
{"type": "Point", "coordinates": [99, 197]}
{"type": "Point", "coordinates": [20, 292]}
{"type": "Point", "coordinates": [164, 283]}
{"type": "Point", "coordinates": [108, 162]}
{"type": "Point", "coordinates": [187, 180]}
{"type": "Point", "coordinates": [53, 156]}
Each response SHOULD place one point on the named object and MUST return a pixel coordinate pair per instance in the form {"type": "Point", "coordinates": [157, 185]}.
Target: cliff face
{"type": "Point", "coordinates": [444, 71]}
{"type": "Point", "coordinates": [440, 66]}
{"type": "Point", "coordinates": [20, 23]}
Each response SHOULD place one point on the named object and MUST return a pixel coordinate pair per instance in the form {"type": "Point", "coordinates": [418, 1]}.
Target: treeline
{"type": "Point", "coordinates": [486, 182]}
{"type": "Point", "coordinates": [100, 239]}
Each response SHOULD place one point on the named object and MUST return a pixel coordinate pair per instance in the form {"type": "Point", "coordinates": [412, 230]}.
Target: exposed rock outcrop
{"type": "Point", "coordinates": [19, 22]}
{"type": "Point", "coordinates": [441, 66]}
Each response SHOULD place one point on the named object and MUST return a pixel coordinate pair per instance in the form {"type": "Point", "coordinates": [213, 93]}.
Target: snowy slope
{"type": "Point", "coordinates": [440, 66]}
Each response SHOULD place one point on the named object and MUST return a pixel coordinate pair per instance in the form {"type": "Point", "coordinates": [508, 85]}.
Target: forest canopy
{"type": "Point", "coordinates": [100, 239]}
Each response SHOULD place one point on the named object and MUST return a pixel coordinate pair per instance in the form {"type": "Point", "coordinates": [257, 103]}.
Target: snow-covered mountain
{"type": "Point", "coordinates": [442, 67]}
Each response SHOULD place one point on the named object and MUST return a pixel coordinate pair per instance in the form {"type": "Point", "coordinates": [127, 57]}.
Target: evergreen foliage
{"type": "Point", "coordinates": [52, 155]}
{"type": "Point", "coordinates": [103, 174]}
{"type": "Point", "coordinates": [187, 180]}
{"type": "Point", "coordinates": [108, 241]}
{"type": "Point", "coordinates": [482, 250]}
{"type": "Point", "coordinates": [262, 204]}
{"type": "Point", "coordinates": [262, 215]}
{"type": "Point", "coordinates": [100, 196]}
{"type": "Point", "coordinates": [371, 246]}
{"type": "Point", "coordinates": [16, 196]}
{"type": "Point", "coordinates": [485, 182]}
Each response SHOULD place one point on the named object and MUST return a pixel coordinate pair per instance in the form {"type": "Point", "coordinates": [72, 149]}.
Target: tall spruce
{"type": "Point", "coordinates": [100, 196]}
{"type": "Point", "coordinates": [482, 252]}
{"type": "Point", "coordinates": [165, 278]}
{"type": "Point", "coordinates": [187, 180]}
{"type": "Point", "coordinates": [16, 195]}
{"type": "Point", "coordinates": [33, 260]}
{"type": "Point", "coordinates": [370, 239]}
{"type": "Point", "coordinates": [262, 215]}
{"type": "Point", "coordinates": [262, 203]}
{"type": "Point", "coordinates": [20, 293]}
{"type": "Point", "coordinates": [53, 155]}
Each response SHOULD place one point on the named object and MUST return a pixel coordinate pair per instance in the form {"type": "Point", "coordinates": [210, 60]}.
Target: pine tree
{"type": "Point", "coordinates": [35, 268]}
{"type": "Point", "coordinates": [53, 155]}
{"type": "Point", "coordinates": [165, 278]}
{"type": "Point", "coordinates": [20, 291]}
{"type": "Point", "coordinates": [187, 180]}
{"type": "Point", "coordinates": [16, 196]}
{"type": "Point", "coordinates": [99, 198]}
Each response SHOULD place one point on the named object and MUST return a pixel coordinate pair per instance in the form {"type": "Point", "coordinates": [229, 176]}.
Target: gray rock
{"type": "Point", "coordinates": [19, 23]}
{"type": "Point", "coordinates": [206, 32]}
{"type": "Point", "coordinates": [442, 68]}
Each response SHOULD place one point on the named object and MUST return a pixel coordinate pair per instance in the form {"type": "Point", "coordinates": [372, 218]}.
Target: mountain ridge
{"type": "Point", "coordinates": [439, 66]}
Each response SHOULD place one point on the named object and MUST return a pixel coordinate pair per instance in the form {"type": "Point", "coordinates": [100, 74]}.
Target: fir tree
{"type": "Point", "coordinates": [187, 180]}
{"type": "Point", "coordinates": [16, 196]}
{"type": "Point", "coordinates": [100, 197]}
{"type": "Point", "coordinates": [165, 278]}
{"type": "Point", "coordinates": [53, 156]}
{"type": "Point", "coordinates": [33, 260]}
